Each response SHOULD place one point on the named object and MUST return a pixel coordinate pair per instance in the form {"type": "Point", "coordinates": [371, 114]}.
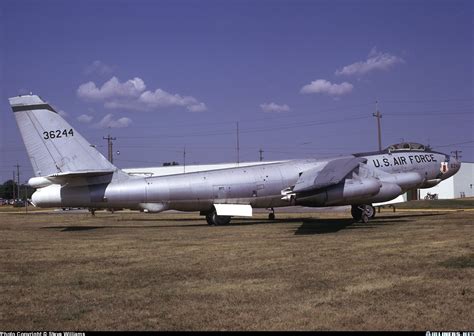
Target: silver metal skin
{"type": "Point", "coordinates": [71, 173]}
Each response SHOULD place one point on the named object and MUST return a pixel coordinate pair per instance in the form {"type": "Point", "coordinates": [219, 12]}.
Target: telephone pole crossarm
{"type": "Point", "coordinates": [110, 146]}
{"type": "Point", "coordinates": [457, 154]}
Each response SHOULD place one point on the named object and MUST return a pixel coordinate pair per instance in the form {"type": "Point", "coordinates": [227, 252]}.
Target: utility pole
{"type": "Point", "coordinates": [184, 160]}
{"type": "Point", "coordinates": [110, 145]}
{"type": "Point", "coordinates": [378, 115]}
{"type": "Point", "coordinates": [457, 154]}
{"type": "Point", "coordinates": [13, 186]}
{"type": "Point", "coordinates": [238, 145]}
{"type": "Point", "coordinates": [261, 154]}
{"type": "Point", "coordinates": [18, 180]}
{"type": "Point", "coordinates": [26, 197]}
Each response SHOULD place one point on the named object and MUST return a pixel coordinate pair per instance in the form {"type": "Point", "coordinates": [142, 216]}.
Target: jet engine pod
{"type": "Point", "coordinates": [387, 192]}
{"type": "Point", "coordinates": [47, 196]}
{"type": "Point", "coordinates": [342, 193]}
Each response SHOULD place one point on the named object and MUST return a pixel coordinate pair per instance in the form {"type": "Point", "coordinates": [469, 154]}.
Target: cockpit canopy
{"type": "Point", "coordinates": [407, 146]}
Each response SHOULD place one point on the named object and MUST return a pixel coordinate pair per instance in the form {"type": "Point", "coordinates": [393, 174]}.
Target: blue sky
{"type": "Point", "coordinates": [300, 77]}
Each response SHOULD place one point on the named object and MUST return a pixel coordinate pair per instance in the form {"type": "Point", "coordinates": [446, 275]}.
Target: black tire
{"type": "Point", "coordinates": [356, 212]}
{"type": "Point", "coordinates": [209, 219]}
{"type": "Point", "coordinates": [271, 216]}
{"type": "Point", "coordinates": [220, 220]}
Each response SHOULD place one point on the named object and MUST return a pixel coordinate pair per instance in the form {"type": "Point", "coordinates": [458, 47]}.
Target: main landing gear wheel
{"type": "Point", "coordinates": [363, 212]}
{"type": "Point", "coordinates": [214, 219]}
{"type": "Point", "coordinates": [370, 211]}
{"type": "Point", "coordinates": [209, 219]}
{"type": "Point", "coordinates": [271, 215]}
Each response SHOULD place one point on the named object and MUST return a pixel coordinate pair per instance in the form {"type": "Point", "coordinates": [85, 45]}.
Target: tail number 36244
{"type": "Point", "coordinates": [58, 134]}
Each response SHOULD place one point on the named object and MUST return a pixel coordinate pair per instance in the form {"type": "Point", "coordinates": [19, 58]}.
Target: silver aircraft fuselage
{"type": "Point", "coordinates": [260, 185]}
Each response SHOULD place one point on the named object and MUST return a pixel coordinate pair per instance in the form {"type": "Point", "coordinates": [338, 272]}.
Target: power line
{"type": "Point", "coordinates": [265, 119]}
{"type": "Point", "coordinates": [416, 101]}
{"type": "Point", "coordinates": [140, 161]}
{"type": "Point", "coordinates": [454, 144]}
{"type": "Point", "coordinates": [287, 126]}
{"type": "Point", "coordinates": [253, 130]}
{"type": "Point", "coordinates": [405, 114]}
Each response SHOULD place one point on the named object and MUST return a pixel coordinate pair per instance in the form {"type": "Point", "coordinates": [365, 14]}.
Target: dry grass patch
{"type": "Point", "coordinates": [299, 272]}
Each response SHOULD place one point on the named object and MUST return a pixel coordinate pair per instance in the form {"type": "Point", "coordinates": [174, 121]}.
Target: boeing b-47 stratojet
{"type": "Point", "coordinates": [69, 172]}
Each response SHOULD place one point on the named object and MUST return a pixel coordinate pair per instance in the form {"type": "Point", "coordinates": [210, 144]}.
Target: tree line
{"type": "Point", "coordinates": [9, 188]}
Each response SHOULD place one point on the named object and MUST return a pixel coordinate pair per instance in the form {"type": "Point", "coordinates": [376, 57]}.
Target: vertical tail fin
{"type": "Point", "coordinates": [52, 144]}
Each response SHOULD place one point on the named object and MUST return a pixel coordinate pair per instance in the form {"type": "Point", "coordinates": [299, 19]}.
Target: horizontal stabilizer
{"type": "Point", "coordinates": [66, 177]}
{"type": "Point", "coordinates": [86, 173]}
{"type": "Point", "coordinates": [333, 173]}
{"type": "Point", "coordinates": [69, 177]}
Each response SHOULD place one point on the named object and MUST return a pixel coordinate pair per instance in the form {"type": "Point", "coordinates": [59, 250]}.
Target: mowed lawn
{"type": "Point", "coordinates": [302, 271]}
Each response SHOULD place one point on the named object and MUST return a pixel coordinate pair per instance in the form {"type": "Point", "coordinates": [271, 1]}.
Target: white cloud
{"type": "Point", "coordinates": [375, 61]}
{"type": "Point", "coordinates": [111, 89]}
{"type": "Point", "coordinates": [84, 118]}
{"type": "Point", "coordinates": [273, 107]}
{"type": "Point", "coordinates": [98, 67]}
{"type": "Point", "coordinates": [200, 107]}
{"type": "Point", "coordinates": [131, 95]}
{"type": "Point", "coordinates": [326, 87]}
{"type": "Point", "coordinates": [109, 122]}
{"type": "Point", "coordinates": [161, 98]}
{"type": "Point", "coordinates": [130, 104]}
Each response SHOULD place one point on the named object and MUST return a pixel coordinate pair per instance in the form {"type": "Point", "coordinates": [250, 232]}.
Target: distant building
{"type": "Point", "coordinates": [457, 186]}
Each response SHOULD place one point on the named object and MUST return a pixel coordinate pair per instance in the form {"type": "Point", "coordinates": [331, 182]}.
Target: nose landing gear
{"type": "Point", "coordinates": [363, 212]}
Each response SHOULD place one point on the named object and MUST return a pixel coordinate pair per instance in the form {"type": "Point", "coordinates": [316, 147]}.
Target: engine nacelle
{"type": "Point", "coordinates": [342, 193]}
{"type": "Point", "coordinates": [406, 181]}
{"type": "Point", "coordinates": [387, 192]}
{"type": "Point", "coordinates": [49, 196]}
